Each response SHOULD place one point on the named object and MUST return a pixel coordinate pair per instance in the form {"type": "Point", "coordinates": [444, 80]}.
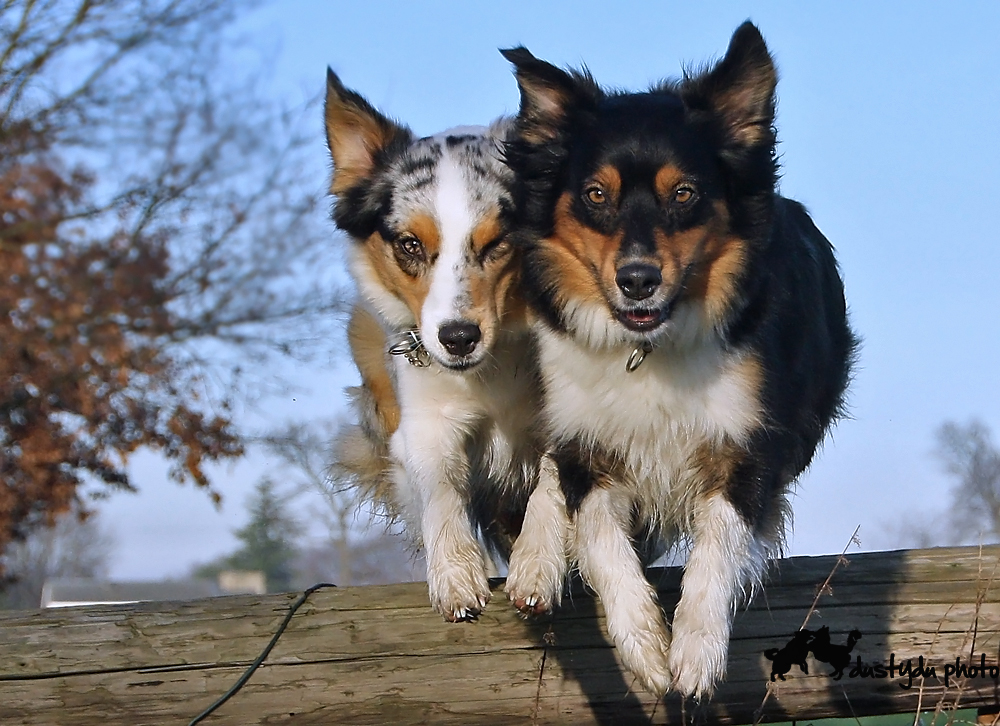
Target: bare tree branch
{"type": "Point", "coordinates": [158, 244]}
{"type": "Point", "coordinates": [970, 456]}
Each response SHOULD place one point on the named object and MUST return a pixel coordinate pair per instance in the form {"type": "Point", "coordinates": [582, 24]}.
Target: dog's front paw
{"type": "Point", "coordinates": [697, 661]}
{"type": "Point", "coordinates": [645, 652]}
{"type": "Point", "coordinates": [535, 580]}
{"type": "Point", "coordinates": [459, 589]}
{"type": "Point", "coordinates": [639, 632]}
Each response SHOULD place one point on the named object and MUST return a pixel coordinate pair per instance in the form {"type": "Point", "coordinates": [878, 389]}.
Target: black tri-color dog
{"type": "Point", "coordinates": [694, 345]}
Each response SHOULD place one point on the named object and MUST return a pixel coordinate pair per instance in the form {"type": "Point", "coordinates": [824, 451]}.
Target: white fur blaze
{"type": "Point", "coordinates": [611, 567]}
{"type": "Point", "coordinates": [725, 557]}
{"type": "Point", "coordinates": [538, 563]}
{"type": "Point", "coordinates": [449, 280]}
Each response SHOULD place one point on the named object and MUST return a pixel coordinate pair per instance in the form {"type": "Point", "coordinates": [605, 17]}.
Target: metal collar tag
{"type": "Point", "coordinates": [638, 356]}
{"type": "Point", "coordinates": [412, 348]}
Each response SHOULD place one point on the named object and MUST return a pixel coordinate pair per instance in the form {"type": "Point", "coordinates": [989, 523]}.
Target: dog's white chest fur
{"type": "Point", "coordinates": [654, 418]}
{"type": "Point", "coordinates": [499, 400]}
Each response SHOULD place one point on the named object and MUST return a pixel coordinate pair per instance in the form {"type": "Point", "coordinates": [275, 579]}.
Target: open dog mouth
{"type": "Point", "coordinates": [642, 319]}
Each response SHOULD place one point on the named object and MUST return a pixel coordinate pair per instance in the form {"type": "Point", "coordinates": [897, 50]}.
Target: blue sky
{"type": "Point", "coordinates": [889, 121]}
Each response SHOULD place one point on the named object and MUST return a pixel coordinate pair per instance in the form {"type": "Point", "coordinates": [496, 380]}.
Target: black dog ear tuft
{"type": "Point", "coordinates": [739, 89]}
{"type": "Point", "coordinates": [356, 134]}
{"type": "Point", "coordinates": [548, 95]}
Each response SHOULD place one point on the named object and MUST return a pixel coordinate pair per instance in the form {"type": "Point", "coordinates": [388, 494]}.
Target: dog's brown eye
{"type": "Point", "coordinates": [595, 195]}
{"type": "Point", "coordinates": [411, 246]}
{"type": "Point", "coordinates": [683, 195]}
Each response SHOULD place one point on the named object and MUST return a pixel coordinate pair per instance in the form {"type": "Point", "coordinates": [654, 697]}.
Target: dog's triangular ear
{"type": "Point", "coordinates": [739, 89]}
{"type": "Point", "coordinates": [548, 95]}
{"type": "Point", "coordinates": [356, 134]}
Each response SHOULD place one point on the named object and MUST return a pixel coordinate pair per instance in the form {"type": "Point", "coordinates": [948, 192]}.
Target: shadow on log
{"type": "Point", "coordinates": [377, 655]}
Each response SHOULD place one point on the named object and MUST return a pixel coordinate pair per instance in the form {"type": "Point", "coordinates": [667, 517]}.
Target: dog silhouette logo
{"type": "Point", "coordinates": [838, 656]}
{"type": "Point", "coordinates": [794, 653]}
{"type": "Point", "coordinates": [818, 643]}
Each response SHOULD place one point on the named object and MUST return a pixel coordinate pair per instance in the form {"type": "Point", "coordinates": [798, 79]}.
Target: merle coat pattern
{"type": "Point", "coordinates": [447, 446]}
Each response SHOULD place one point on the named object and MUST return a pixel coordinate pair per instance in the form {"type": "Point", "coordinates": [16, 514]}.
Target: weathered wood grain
{"type": "Point", "coordinates": [378, 655]}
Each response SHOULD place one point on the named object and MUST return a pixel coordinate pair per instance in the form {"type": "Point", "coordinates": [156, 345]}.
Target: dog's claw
{"type": "Point", "coordinates": [464, 615]}
{"type": "Point", "coordinates": [532, 605]}
{"type": "Point", "coordinates": [458, 594]}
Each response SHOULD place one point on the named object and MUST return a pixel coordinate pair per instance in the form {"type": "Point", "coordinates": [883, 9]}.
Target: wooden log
{"type": "Point", "coordinates": [379, 655]}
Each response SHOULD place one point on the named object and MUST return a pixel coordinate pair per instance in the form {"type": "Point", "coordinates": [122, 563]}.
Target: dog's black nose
{"type": "Point", "coordinates": [460, 337]}
{"type": "Point", "coordinates": [638, 281]}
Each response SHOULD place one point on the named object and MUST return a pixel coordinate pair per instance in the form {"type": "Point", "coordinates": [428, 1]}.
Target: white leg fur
{"type": "Point", "coordinates": [724, 559]}
{"type": "Point", "coordinates": [456, 570]}
{"type": "Point", "coordinates": [611, 567]}
{"type": "Point", "coordinates": [538, 563]}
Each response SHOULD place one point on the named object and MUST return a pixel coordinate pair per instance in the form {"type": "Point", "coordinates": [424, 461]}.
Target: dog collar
{"type": "Point", "coordinates": [409, 345]}
{"type": "Point", "coordinates": [638, 356]}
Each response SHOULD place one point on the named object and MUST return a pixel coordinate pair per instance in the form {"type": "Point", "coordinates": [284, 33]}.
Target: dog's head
{"type": "Point", "coordinates": [637, 209]}
{"type": "Point", "coordinates": [429, 218]}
